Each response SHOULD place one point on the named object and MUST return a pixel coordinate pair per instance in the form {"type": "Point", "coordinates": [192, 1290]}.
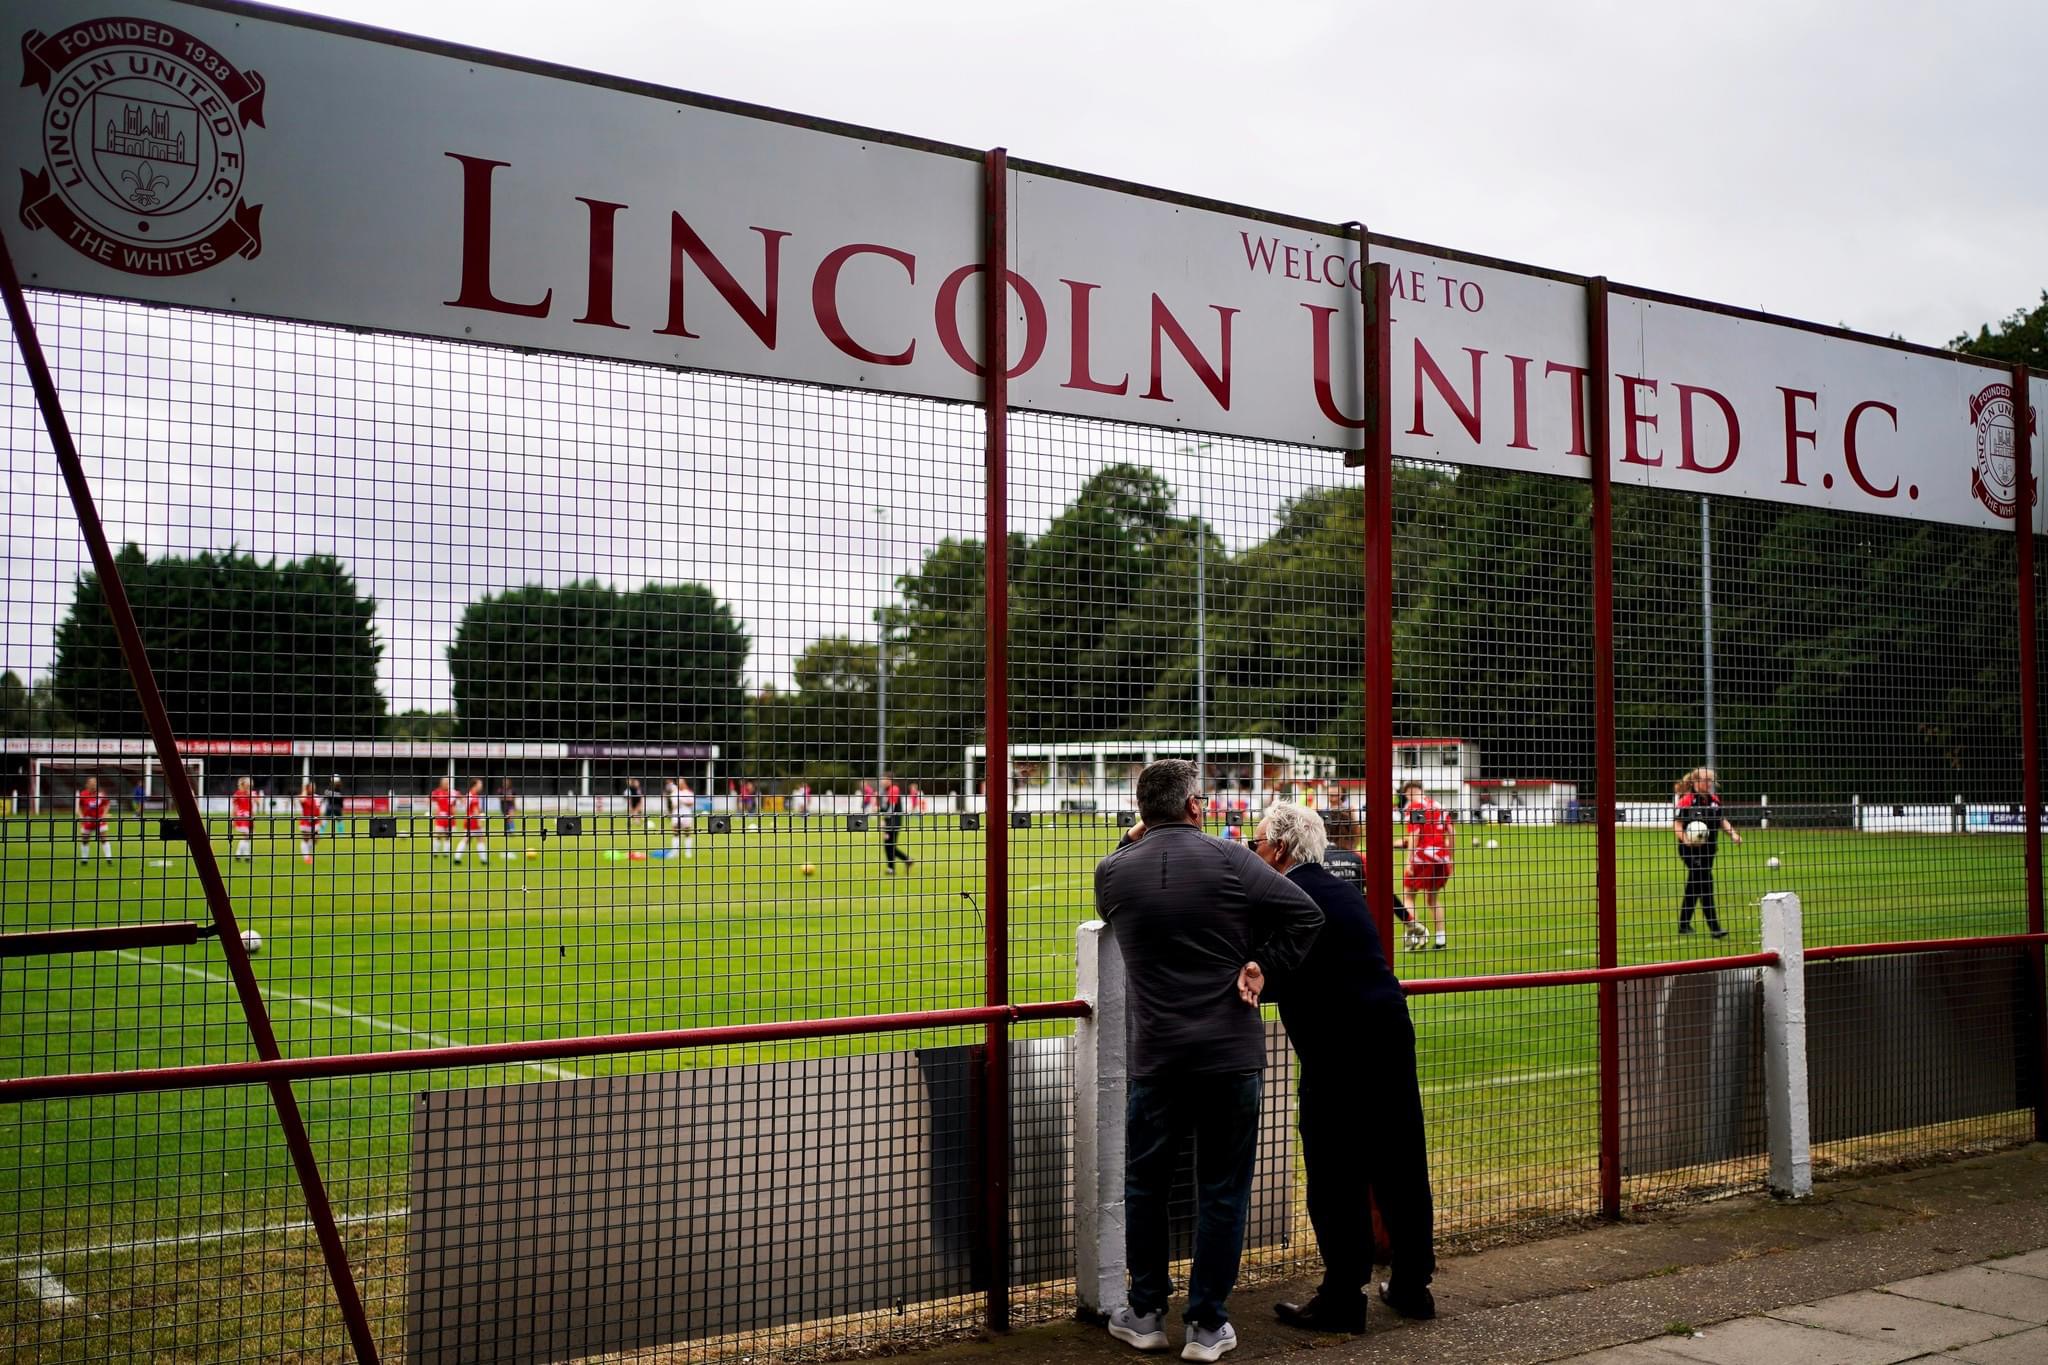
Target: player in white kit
{"type": "Point", "coordinates": [682, 817]}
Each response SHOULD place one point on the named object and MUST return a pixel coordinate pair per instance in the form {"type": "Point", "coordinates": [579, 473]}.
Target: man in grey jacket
{"type": "Point", "coordinates": [1189, 912]}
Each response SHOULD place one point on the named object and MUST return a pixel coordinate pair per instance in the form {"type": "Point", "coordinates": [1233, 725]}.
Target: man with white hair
{"type": "Point", "coordinates": [1189, 912]}
{"type": "Point", "coordinates": [1362, 1137]}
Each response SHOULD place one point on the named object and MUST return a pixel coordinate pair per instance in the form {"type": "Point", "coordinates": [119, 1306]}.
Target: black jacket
{"type": "Point", "coordinates": [1189, 911]}
{"type": "Point", "coordinates": [1328, 1000]}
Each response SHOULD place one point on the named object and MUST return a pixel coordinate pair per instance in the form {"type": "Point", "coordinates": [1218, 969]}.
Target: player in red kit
{"type": "Point", "coordinates": [242, 818]}
{"type": "Point", "coordinates": [1429, 844]}
{"type": "Point", "coordinates": [310, 810]}
{"type": "Point", "coordinates": [92, 822]}
{"type": "Point", "coordinates": [473, 824]}
{"type": "Point", "coordinates": [443, 803]}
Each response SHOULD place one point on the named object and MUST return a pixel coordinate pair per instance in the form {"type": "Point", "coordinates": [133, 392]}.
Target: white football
{"type": "Point", "coordinates": [252, 942]}
{"type": "Point", "coordinates": [1493, 843]}
{"type": "Point", "coordinates": [1696, 832]}
{"type": "Point", "coordinates": [1772, 862]}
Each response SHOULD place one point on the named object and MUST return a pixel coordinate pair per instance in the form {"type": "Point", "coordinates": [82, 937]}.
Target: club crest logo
{"type": "Point", "coordinates": [1995, 415]}
{"type": "Point", "coordinates": [142, 137]}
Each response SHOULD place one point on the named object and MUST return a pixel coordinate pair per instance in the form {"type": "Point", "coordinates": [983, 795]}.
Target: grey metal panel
{"type": "Point", "coordinates": [1892, 1043]}
{"type": "Point", "coordinates": [1692, 1087]}
{"type": "Point", "coordinates": [559, 1219]}
{"type": "Point", "coordinates": [1899, 1042]}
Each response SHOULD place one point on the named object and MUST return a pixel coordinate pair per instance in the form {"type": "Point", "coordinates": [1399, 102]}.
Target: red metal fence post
{"type": "Point", "coordinates": [2030, 724]}
{"type": "Point", "coordinates": [995, 1099]}
{"type": "Point", "coordinates": [115, 594]}
{"type": "Point", "coordinates": [1605, 795]}
{"type": "Point", "coordinates": [1376, 810]}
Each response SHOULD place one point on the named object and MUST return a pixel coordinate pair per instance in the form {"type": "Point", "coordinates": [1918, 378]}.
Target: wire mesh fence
{"type": "Point", "coordinates": [1863, 679]}
{"type": "Point", "coordinates": [533, 698]}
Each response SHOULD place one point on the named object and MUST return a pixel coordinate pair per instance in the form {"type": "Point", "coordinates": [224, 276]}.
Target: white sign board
{"type": "Point", "coordinates": [256, 162]}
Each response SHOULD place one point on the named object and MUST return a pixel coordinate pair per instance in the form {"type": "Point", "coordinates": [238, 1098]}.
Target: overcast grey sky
{"type": "Point", "coordinates": [1878, 164]}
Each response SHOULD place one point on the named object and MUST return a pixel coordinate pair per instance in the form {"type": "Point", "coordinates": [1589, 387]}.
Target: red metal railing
{"type": "Point", "coordinates": [1929, 945]}
{"type": "Point", "coordinates": [1586, 976]}
{"type": "Point", "coordinates": [285, 1070]}
{"type": "Point", "coordinates": [152, 1079]}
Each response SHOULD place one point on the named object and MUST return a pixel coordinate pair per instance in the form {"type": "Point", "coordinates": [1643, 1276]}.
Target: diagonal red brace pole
{"type": "Point", "coordinates": [158, 719]}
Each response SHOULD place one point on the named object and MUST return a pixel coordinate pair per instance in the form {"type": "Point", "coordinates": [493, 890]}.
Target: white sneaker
{"type": "Point", "coordinates": [1209, 1343]}
{"type": "Point", "coordinates": [1145, 1331]}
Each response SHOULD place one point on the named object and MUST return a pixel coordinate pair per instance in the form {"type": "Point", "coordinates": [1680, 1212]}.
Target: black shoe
{"type": "Point", "coordinates": [1720, 933]}
{"type": "Point", "coordinates": [1685, 928]}
{"type": "Point", "coordinates": [1409, 1303]}
{"type": "Point", "coordinates": [1323, 1315]}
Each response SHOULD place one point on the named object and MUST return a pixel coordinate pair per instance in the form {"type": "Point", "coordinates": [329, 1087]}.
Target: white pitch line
{"type": "Point", "coordinates": [1508, 1078]}
{"type": "Point", "coordinates": [553, 1073]}
{"type": "Point", "coordinates": [226, 1234]}
{"type": "Point", "coordinates": [48, 1290]}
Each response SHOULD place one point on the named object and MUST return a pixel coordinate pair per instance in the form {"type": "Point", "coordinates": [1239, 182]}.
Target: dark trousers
{"type": "Point", "coordinates": [1221, 1113]}
{"type": "Point", "coordinates": [891, 854]}
{"type": "Point", "coordinates": [1362, 1138]}
{"type": "Point", "coordinates": [1699, 888]}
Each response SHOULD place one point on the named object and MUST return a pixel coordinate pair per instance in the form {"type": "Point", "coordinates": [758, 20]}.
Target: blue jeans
{"type": "Point", "coordinates": [1221, 1113]}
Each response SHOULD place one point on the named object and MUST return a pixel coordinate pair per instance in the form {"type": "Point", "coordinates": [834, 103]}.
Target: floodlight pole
{"type": "Point", "coordinates": [1707, 619]}
{"type": "Point", "coordinates": [882, 668]}
{"type": "Point", "coordinates": [114, 592]}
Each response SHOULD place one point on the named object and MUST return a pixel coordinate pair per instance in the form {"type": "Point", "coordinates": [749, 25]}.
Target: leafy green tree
{"type": "Point", "coordinates": [823, 732]}
{"type": "Point", "coordinates": [421, 725]}
{"type": "Point", "coordinates": [1081, 666]}
{"type": "Point", "coordinates": [658, 664]}
{"type": "Point", "coordinates": [46, 715]}
{"type": "Point", "coordinates": [14, 704]}
{"type": "Point", "coordinates": [2021, 338]}
{"type": "Point", "coordinates": [1888, 671]}
{"type": "Point", "coordinates": [238, 647]}
{"type": "Point", "coordinates": [1493, 618]}
{"type": "Point", "coordinates": [938, 653]}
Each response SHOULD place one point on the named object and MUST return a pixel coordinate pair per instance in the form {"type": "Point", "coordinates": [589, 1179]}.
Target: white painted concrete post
{"type": "Point", "coordinates": [1787, 1115]}
{"type": "Point", "coordinates": [1101, 1079]}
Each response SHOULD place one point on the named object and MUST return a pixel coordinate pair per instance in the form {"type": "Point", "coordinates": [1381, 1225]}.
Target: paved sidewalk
{"type": "Point", "coordinates": [1991, 1313]}
{"type": "Point", "coordinates": [1875, 1270]}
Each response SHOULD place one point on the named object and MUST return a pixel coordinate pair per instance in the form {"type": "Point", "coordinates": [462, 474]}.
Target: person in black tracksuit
{"type": "Point", "coordinates": [1344, 862]}
{"type": "Point", "coordinates": [1362, 1136]}
{"type": "Point", "coordinates": [1696, 799]}
{"type": "Point", "coordinates": [334, 805]}
{"type": "Point", "coordinates": [892, 828]}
